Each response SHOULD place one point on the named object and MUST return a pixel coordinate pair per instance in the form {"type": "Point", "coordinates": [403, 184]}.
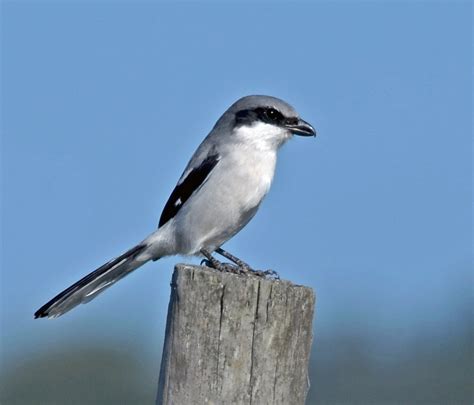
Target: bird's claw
{"type": "Point", "coordinates": [233, 268]}
{"type": "Point", "coordinates": [223, 267]}
{"type": "Point", "coordinates": [271, 274]}
{"type": "Point", "coordinates": [207, 263]}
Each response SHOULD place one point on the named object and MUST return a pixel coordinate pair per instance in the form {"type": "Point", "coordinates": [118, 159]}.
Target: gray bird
{"type": "Point", "coordinates": [218, 193]}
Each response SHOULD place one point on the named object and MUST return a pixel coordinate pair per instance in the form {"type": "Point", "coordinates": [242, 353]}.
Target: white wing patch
{"type": "Point", "coordinates": [100, 287]}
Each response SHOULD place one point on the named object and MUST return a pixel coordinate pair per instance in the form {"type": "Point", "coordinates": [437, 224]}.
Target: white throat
{"type": "Point", "coordinates": [262, 136]}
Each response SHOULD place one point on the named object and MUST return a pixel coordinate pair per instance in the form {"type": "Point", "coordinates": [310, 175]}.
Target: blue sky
{"type": "Point", "coordinates": [103, 103]}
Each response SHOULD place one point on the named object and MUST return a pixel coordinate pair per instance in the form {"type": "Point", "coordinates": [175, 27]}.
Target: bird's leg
{"type": "Point", "coordinates": [244, 266]}
{"type": "Point", "coordinates": [216, 264]}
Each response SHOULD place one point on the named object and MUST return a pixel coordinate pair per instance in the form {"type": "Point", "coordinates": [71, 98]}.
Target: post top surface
{"type": "Point", "coordinates": [191, 268]}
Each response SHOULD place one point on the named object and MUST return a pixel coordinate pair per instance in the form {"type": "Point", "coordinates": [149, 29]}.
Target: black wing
{"type": "Point", "coordinates": [195, 178]}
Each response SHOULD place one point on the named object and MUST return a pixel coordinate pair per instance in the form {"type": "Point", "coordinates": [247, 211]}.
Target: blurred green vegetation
{"type": "Point", "coordinates": [79, 375]}
{"type": "Point", "coordinates": [427, 372]}
{"type": "Point", "coordinates": [344, 370]}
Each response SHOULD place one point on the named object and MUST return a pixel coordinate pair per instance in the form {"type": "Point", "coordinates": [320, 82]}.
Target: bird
{"type": "Point", "coordinates": [218, 193]}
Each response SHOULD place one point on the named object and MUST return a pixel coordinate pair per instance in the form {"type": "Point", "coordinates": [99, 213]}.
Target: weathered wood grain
{"type": "Point", "coordinates": [233, 339]}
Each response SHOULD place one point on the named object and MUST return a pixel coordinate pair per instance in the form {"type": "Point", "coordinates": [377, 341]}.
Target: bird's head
{"type": "Point", "coordinates": [264, 122]}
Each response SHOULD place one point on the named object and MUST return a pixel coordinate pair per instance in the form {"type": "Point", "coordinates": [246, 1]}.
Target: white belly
{"type": "Point", "coordinates": [226, 201]}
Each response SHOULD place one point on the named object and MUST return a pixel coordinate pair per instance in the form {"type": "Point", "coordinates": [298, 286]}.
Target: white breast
{"type": "Point", "coordinates": [226, 202]}
{"type": "Point", "coordinates": [231, 195]}
{"type": "Point", "coordinates": [255, 172]}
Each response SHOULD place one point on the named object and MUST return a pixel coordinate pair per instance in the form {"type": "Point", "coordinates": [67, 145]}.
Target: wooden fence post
{"type": "Point", "coordinates": [233, 339]}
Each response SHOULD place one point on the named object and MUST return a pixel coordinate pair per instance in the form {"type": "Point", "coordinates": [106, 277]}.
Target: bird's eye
{"type": "Point", "coordinates": [272, 114]}
{"type": "Point", "coordinates": [269, 115]}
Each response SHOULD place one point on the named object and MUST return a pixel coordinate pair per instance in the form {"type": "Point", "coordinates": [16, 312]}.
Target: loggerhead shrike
{"type": "Point", "coordinates": [218, 193]}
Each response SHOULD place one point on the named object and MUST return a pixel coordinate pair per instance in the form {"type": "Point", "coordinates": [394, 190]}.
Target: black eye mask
{"type": "Point", "coordinates": [268, 115]}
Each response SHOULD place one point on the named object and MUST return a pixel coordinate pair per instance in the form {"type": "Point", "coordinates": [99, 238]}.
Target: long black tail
{"type": "Point", "coordinates": [91, 285]}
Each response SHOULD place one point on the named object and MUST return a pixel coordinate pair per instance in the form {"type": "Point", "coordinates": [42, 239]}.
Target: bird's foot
{"type": "Point", "coordinates": [245, 268]}
{"type": "Point", "coordinates": [271, 274]}
{"type": "Point", "coordinates": [223, 267]}
{"type": "Point", "coordinates": [238, 267]}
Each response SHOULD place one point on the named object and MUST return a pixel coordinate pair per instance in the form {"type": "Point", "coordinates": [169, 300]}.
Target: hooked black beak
{"type": "Point", "coordinates": [302, 128]}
